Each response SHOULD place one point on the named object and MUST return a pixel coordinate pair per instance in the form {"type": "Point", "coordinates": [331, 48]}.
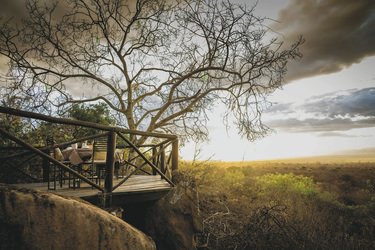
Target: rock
{"type": "Point", "coordinates": [31, 219]}
{"type": "Point", "coordinates": [174, 220]}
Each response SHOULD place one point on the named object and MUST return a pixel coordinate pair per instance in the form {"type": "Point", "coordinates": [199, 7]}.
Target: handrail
{"type": "Point", "coordinates": [19, 170]}
{"type": "Point", "coordinates": [58, 145]}
{"type": "Point", "coordinates": [44, 155]}
{"type": "Point", "coordinates": [169, 139]}
{"type": "Point", "coordinates": [144, 158]}
{"type": "Point", "coordinates": [139, 167]}
{"type": "Point", "coordinates": [17, 112]}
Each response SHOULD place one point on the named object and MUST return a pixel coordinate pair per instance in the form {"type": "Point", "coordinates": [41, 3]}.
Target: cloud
{"type": "Point", "coordinates": [336, 111]}
{"type": "Point", "coordinates": [15, 11]}
{"type": "Point", "coordinates": [356, 103]}
{"type": "Point", "coordinates": [337, 134]}
{"type": "Point", "coordinates": [338, 33]}
{"type": "Point", "coordinates": [296, 125]}
{"type": "Point", "coordinates": [284, 108]}
{"type": "Point", "coordinates": [12, 8]}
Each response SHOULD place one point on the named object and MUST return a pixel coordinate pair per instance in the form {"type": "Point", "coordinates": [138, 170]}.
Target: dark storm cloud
{"type": "Point", "coordinates": [336, 111]}
{"type": "Point", "coordinates": [338, 34]}
{"type": "Point", "coordinates": [12, 8]}
{"type": "Point", "coordinates": [16, 10]}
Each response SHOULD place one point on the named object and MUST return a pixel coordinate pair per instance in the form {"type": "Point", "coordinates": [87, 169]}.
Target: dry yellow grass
{"type": "Point", "coordinates": [329, 159]}
{"type": "Point", "coordinates": [300, 203]}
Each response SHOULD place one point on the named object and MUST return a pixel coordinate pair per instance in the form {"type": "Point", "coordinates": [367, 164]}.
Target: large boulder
{"type": "Point", "coordinates": [174, 220]}
{"type": "Point", "coordinates": [31, 219]}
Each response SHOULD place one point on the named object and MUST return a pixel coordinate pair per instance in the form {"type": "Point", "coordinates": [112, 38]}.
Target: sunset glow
{"type": "Point", "coordinates": [327, 106]}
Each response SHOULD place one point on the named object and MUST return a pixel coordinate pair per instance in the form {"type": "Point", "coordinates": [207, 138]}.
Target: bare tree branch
{"type": "Point", "coordinates": [159, 65]}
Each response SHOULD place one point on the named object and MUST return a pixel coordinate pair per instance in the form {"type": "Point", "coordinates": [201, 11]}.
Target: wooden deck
{"type": "Point", "coordinates": [137, 188]}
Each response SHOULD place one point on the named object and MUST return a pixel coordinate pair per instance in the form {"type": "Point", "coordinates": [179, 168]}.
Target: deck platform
{"type": "Point", "coordinates": [138, 188]}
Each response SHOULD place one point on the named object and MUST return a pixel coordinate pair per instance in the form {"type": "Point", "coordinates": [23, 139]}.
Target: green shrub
{"type": "Point", "coordinates": [234, 180]}
{"type": "Point", "coordinates": [283, 185]}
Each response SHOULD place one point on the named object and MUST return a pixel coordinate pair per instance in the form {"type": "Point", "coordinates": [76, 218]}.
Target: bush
{"type": "Point", "coordinates": [286, 207]}
{"type": "Point", "coordinates": [234, 180]}
{"type": "Point", "coordinates": [286, 185]}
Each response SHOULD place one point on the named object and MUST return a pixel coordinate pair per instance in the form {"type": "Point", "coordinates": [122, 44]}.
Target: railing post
{"type": "Point", "coordinates": [110, 162]}
{"type": "Point", "coordinates": [45, 167]}
{"type": "Point", "coordinates": [154, 161]}
{"type": "Point", "coordinates": [162, 160]}
{"type": "Point", "coordinates": [175, 154]}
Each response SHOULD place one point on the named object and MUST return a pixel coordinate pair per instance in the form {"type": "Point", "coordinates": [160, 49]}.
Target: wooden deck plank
{"type": "Point", "coordinates": [135, 185]}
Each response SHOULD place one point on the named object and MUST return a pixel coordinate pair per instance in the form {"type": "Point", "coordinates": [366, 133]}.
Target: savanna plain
{"type": "Point", "coordinates": [306, 203]}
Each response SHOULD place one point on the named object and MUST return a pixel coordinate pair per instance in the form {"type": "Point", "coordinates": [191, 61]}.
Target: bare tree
{"type": "Point", "coordinates": [159, 65]}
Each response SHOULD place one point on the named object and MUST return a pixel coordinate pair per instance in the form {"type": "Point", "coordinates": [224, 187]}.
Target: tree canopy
{"type": "Point", "coordinates": [158, 65]}
{"type": "Point", "coordinates": [37, 132]}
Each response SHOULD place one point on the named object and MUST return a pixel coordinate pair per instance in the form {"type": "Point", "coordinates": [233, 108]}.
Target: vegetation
{"type": "Point", "coordinates": [286, 205]}
{"type": "Point", "coordinates": [36, 133]}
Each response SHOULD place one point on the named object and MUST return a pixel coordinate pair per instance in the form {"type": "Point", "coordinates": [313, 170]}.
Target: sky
{"type": "Point", "coordinates": [327, 105]}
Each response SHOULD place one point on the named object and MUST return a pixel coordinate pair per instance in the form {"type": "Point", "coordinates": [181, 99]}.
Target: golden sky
{"type": "Point", "coordinates": [328, 103]}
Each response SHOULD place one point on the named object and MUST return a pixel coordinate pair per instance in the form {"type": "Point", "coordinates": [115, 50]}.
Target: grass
{"type": "Point", "coordinates": [286, 204]}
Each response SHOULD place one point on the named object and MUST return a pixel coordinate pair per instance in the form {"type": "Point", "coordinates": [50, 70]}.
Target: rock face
{"type": "Point", "coordinates": [32, 219]}
{"type": "Point", "coordinates": [174, 220]}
